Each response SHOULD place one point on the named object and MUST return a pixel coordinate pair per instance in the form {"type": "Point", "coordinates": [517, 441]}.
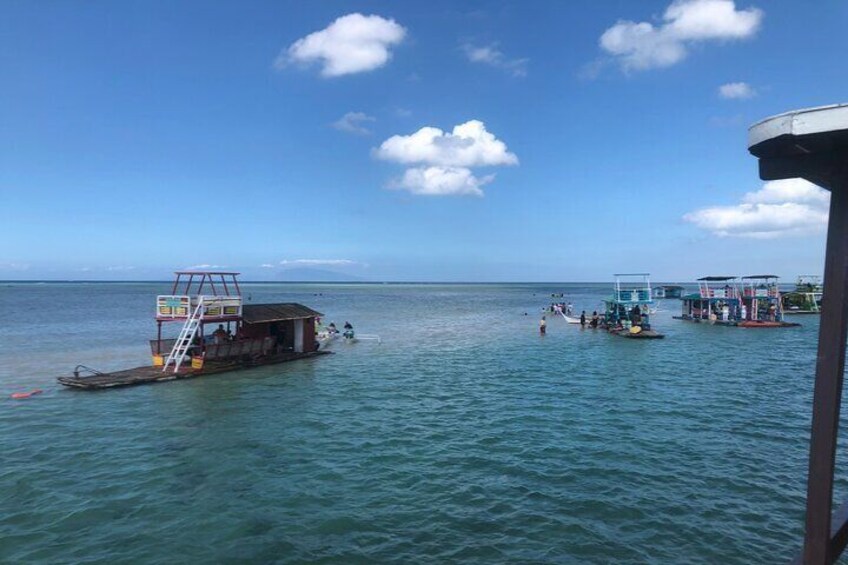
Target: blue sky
{"type": "Point", "coordinates": [137, 138]}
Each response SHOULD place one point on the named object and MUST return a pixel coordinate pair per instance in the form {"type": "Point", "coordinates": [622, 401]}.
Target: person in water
{"type": "Point", "coordinates": [332, 329]}
{"type": "Point", "coordinates": [542, 325]}
{"type": "Point", "coordinates": [348, 330]}
{"type": "Point", "coordinates": [583, 318]}
{"type": "Point", "coordinates": [595, 319]}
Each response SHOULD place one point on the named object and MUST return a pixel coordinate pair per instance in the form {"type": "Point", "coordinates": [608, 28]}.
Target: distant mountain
{"type": "Point", "coordinates": [306, 274]}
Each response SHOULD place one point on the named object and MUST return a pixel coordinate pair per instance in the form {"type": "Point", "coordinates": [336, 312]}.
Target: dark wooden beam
{"type": "Point", "coordinates": [816, 168]}
{"type": "Point", "coordinates": [827, 394]}
{"type": "Point", "coordinates": [839, 530]}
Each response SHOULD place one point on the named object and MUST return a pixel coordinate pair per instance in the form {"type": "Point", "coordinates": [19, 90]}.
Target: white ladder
{"type": "Point", "coordinates": [183, 343]}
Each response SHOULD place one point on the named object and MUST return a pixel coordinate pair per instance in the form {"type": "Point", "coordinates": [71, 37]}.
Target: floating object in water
{"type": "Point", "coordinates": [22, 395]}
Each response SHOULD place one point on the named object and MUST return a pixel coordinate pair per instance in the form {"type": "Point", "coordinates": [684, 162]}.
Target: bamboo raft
{"type": "Point", "coordinates": [149, 374]}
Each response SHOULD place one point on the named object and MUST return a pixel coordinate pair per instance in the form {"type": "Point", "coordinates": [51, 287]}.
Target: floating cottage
{"type": "Point", "coordinates": [762, 302]}
{"type": "Point", "coordinates": [669, 291]}
{"type": "Point", "coordinates": [720, 301]}
{"type": "Point", "coordinates": [806, 298]}
{"type": "Point", "coordinates": [627, 313]}
{"type": "Point", "coordinates": [219, 333]}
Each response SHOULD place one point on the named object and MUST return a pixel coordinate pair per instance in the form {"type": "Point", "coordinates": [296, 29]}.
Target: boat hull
{"type": "Point", "coordinates": [150, 375]}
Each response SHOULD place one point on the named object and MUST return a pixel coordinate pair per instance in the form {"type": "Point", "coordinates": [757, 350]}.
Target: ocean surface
{"type": "Point", "coordinates": [464, 437]}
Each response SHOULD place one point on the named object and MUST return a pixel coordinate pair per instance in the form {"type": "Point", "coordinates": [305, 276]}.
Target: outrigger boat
{"type": "Point", "coordinates": [806, 298]}
{"type": "Point", "coordinates": [247, 335]}
{"type": "Point", "coordinates": [628, 311]}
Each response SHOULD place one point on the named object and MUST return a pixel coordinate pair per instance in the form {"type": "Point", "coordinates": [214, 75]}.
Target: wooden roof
{"type": "Point", "coordinates": [263, 313]}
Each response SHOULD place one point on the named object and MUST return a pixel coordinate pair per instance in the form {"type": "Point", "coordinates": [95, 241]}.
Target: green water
{"type": "Point", "coordinates": [464, 437]}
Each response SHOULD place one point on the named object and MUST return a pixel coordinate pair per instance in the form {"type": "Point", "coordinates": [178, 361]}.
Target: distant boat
{"type": "Point", "coordinates": [806, 298]}
{"type": "Point", "coordinates": [668, 291]}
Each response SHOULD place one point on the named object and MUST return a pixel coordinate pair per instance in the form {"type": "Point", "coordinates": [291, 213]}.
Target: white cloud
{"type": "Point", "coordinates": [204, 267]}
{"type": "Point", "coordinates": [267, 266]}
{"type": "Point", "coordinates": [445, 159]}
{"type": "Point", "coordinates": [468, 145]}
{"type": "Point", "coordinates": [441, 181]}
{"type": "Point", "coordinates": [494, 57]}
{"type": "Point", "coordinates": [642, 45]}
{"type": "Point", "coordinates": [351, 44]}
{"type": "Point", "coordinates": [353, 122]}
{"type": "Point", "coordinates": [14, 266]}
{"type": "Point", "coordinates": [780, 208]}
{"type": "Point", "coordinates": [319, 262]}
{"type": "Point", "coordinates": [736, 90]}
{"type": "Point", "coordinates": [120, 268]}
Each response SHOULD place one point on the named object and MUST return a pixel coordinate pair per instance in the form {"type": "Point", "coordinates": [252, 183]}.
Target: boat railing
{"type": "Point", "coordinates": [638, 295]}
{"type": "Point", "coordinates": [771, 292]}
{"type": "Point", "coordinates": [179, 307]}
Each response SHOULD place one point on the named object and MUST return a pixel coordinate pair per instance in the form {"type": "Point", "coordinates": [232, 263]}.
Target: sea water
{"type": "Point", "coordinates": [465, 436]}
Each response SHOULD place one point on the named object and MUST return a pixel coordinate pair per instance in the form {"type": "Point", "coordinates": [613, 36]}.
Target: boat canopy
{"type": "Point", "coordinates": [761, 277]}
{"type": "Point", "coordinates": [716, 279]}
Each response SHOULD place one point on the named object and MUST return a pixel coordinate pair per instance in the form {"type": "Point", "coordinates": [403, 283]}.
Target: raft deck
{"type": "Point", "coordinates": [148, 374]}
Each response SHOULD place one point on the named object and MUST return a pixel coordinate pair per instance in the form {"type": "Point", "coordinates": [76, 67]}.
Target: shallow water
{"type": "Point", "coordinates": [463, 437]}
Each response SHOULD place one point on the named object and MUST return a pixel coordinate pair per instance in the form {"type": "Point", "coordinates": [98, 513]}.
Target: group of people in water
{"type": "Point", "coordinates": [613, 320]}
{"type": "Point", "coordinates": [348, 330]}
{"type": "Point", "coordinates": [562, 308]}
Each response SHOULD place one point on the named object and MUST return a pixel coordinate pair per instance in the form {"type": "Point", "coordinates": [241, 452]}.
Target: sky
{"type": "Point", "coordinates": [407, 141]}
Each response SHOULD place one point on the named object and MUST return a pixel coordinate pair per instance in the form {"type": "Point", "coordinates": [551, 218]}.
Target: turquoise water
{"type": "Point", "coordinates": [464, 437]}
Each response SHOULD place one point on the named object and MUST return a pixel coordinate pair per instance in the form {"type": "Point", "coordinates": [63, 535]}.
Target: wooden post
{"type": "Point", "coordinates": [827, 395]}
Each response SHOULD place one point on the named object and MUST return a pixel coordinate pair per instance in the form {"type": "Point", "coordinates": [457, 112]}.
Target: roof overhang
{"type": "Point", "coordinates": [282, 312]}
{"type": "Point", "coordinates": [810, 143]}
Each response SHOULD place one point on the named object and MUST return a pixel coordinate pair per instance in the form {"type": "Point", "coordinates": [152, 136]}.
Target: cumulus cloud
{"type": "Point", "coordinates": [791, 207]}
{"type": "Point", "coordinates": [643, 45]}
{"type": "Point", "coordinates": [354, 122]}
{"type": "Point", "coordinates": [736, 90]}
{"type": "Point", "coordinates": [317, 262]}
{"type": "Point", "coordinates": [494, 57]}
{"type": "Point", "coordinates": [351, 44]}
{"type": "Point", "coordinates": [444, 160]}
